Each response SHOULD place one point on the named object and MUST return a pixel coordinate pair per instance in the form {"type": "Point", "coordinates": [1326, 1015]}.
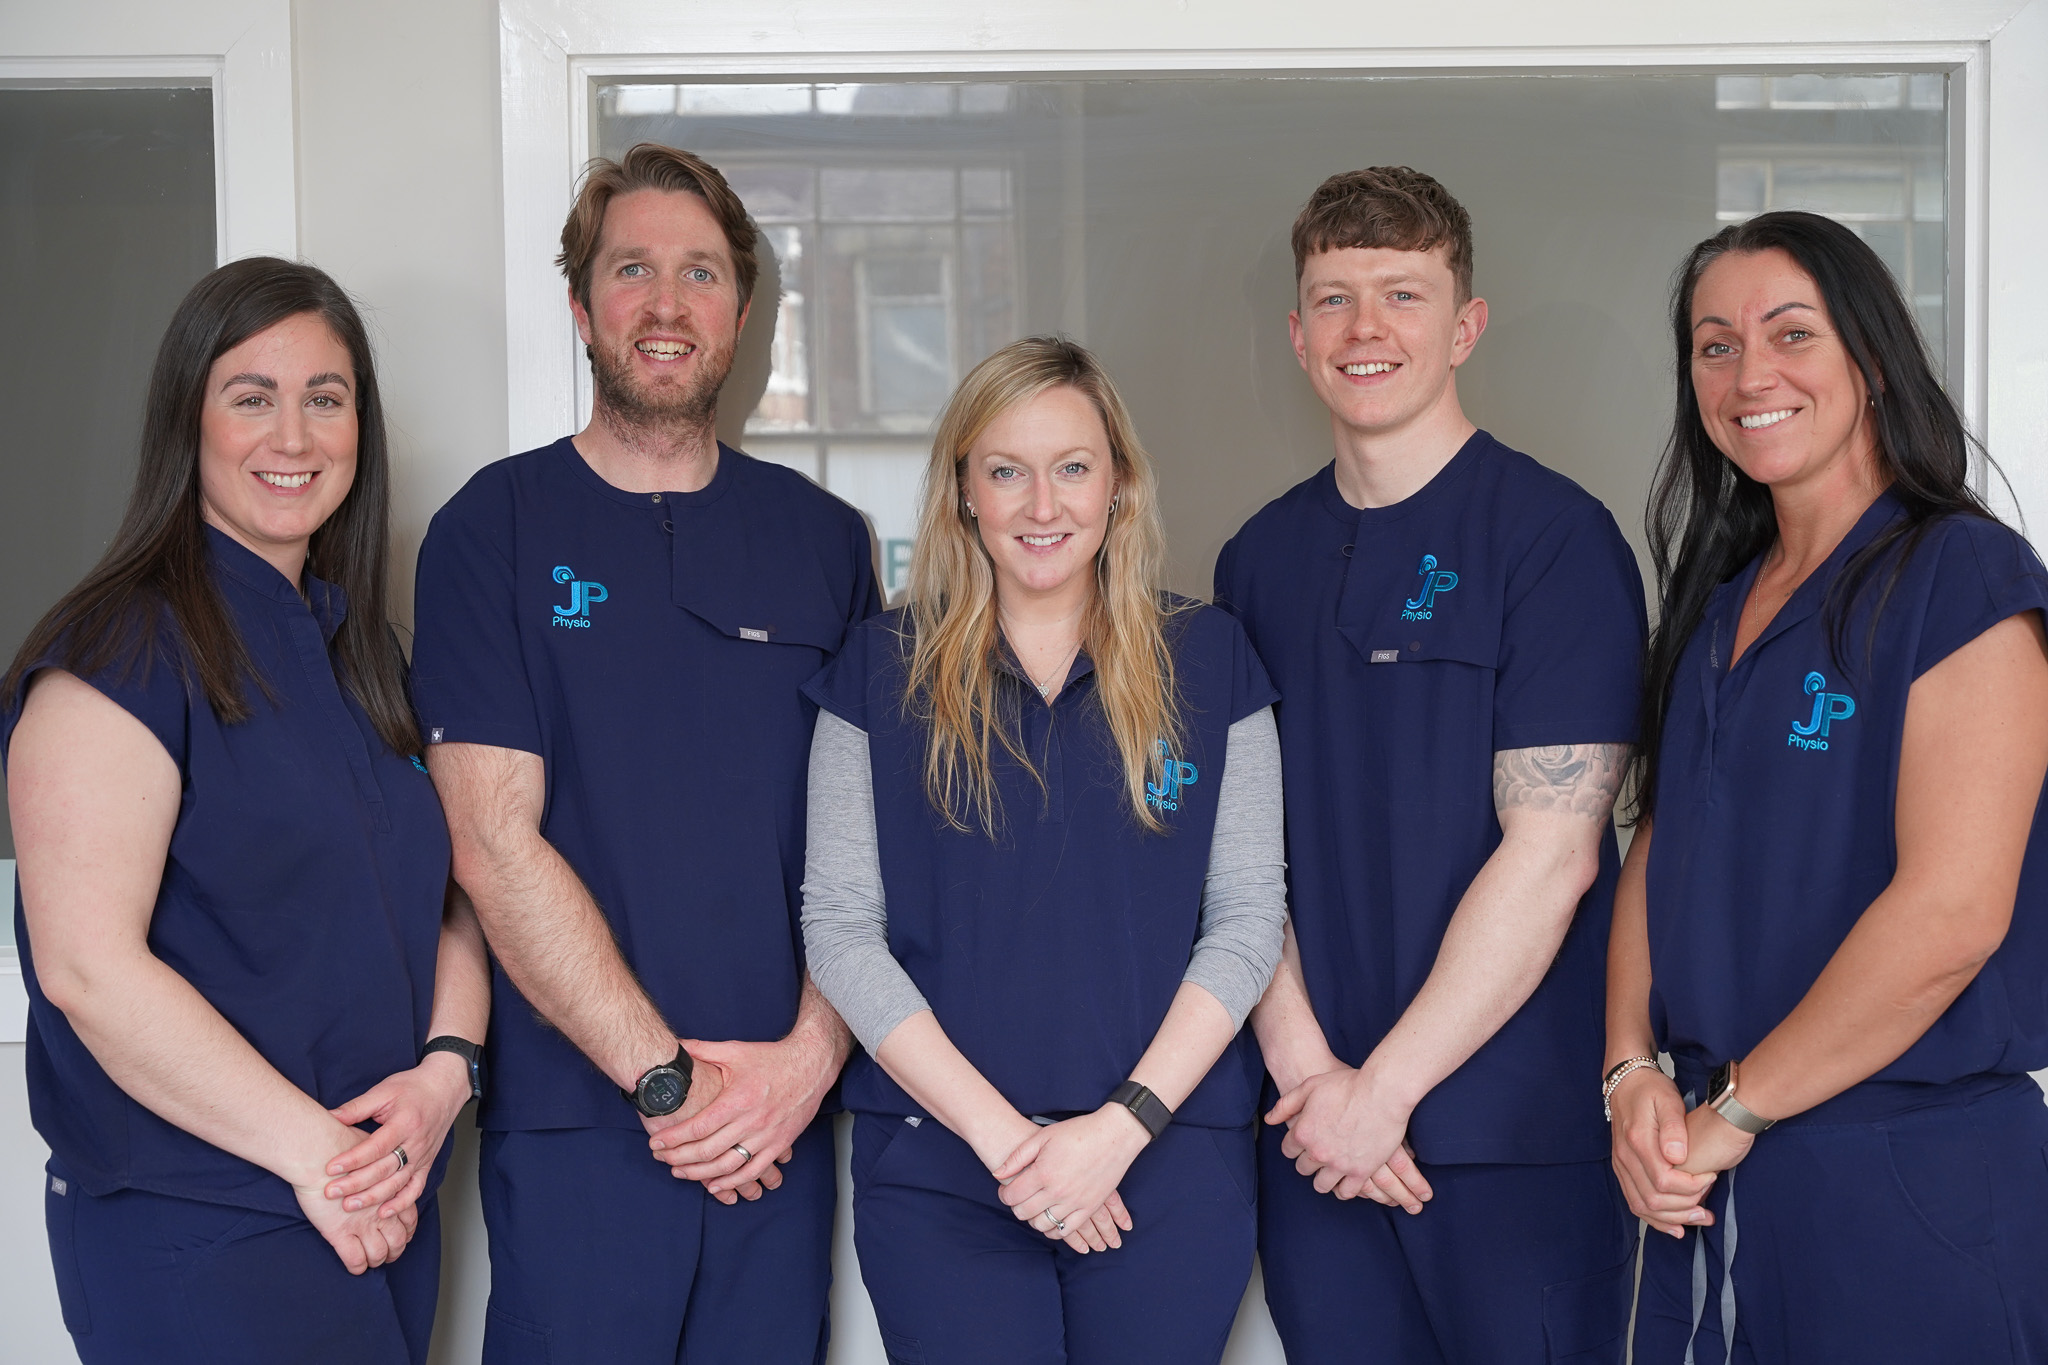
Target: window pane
{"type": "Point", "coordinates": [917, 225]}
{"type": "Point", "coordinates": [110, 219]}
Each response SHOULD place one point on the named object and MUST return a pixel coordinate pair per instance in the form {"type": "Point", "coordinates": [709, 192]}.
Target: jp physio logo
{"type": "Point", "coordinates": [1434, 581]}
{"type": "Point", "coordinates": [582, 597]}
{"type": "Point", "coordinates": [1828, 707]}
{"type": "Point", "coordinates": [1174, 775]}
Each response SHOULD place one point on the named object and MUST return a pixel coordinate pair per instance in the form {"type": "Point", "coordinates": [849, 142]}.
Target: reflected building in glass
{"type": "Point", "coordinates": [916, 225]}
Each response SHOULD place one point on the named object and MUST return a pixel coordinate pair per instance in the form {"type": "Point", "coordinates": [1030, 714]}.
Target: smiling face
{"type": "Point", "coordinates": [1778, 392]}
{"type": "Point", "coordinates": [1380, 333]}
{"type": "Point", "coordinates": [1040, 479]}
{"type": "Point", "coordinates": [664, 315]}
{"type": "Point", "coordinates": [277, 438]}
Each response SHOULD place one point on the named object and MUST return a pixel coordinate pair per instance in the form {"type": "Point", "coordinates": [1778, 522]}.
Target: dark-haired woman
{"type": "Point", "coordinates": [1043, 887]}
{"type": "Point", "coordinates": [233, 873]}
{"type": "Point", "coordinates": [1834, 915]}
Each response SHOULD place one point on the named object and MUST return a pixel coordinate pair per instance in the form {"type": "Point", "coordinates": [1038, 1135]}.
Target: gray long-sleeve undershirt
{"type": "Point", "coordinates": [846, 922]}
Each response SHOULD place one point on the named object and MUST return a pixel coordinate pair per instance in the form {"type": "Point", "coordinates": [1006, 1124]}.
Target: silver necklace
{"type": "Point", "coordinates": [1058, 674]}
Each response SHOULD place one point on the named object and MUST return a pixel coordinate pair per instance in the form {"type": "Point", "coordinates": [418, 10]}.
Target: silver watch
{"type": "Point", "coordinates": [1721, 1099]}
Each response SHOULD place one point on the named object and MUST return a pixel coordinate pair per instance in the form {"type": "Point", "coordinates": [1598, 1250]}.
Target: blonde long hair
{"type": "Point", "coordinates": [950, 609]}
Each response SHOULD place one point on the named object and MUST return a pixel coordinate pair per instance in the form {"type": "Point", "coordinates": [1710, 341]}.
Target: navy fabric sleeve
{"type": "Point", "coordinates": [1571, 637]}
{"type": "Point", "coordinates": [1251, 689]}
{"type": "Point", "coordinates": [468, 676]}
{"type": "Point", "coordinates": [841, 686]}
{"type": "Point", "coordinates": [1983, 572]}
{"type": "Point", "coordinates": [151, 688]}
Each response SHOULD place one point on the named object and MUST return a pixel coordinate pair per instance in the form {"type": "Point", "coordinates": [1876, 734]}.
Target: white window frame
{"type": "Point", "coordinates": [242, 51]}
{"type": "Point", "coordinates": [1995, 51]}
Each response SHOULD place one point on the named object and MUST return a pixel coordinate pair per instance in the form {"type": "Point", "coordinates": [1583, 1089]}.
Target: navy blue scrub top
{"type": "Point", "coordinates": [1776, 797]}
{"type": "Point", "coordinates": [1051, 954]}
{"type": "Point", "coordinates": [1496, 608]}
{"type": "Point", "coordinates": [301, 895]}
{"type": "Point", "coordinates": [649, 647]}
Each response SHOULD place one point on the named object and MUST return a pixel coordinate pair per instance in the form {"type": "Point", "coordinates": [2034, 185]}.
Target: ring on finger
{"type": "Point", "coordinates": [400, 1153]}
{"type": "Point", "coordinates": [745, 1155]}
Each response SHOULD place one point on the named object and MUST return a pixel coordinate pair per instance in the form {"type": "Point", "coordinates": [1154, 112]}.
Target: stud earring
{"type": "Point", "coordinates": [971, 512]}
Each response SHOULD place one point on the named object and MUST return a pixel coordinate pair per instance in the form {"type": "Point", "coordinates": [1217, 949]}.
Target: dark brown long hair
{"type": "Point", "coordinates": [157, 565]}
{"type": "Point", "coordinates": [1707, 519]}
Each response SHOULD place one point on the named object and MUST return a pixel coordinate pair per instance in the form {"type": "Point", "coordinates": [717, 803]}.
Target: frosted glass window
{"type": "Point", "coordinates": [910, 227]}
{"type": "Point", "coordinates": [110, 219]}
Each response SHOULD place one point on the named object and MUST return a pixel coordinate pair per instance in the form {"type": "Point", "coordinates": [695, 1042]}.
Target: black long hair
{"type": "Point", "coordinates": [157, 563]}
{"type": "Point", "coordinates": [1707, 519]}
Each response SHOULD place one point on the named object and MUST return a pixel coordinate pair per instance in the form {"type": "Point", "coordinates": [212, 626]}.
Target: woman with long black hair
{"type": "Point", "coordinates": [233, 902]}
{"type": "Point", "coordinates": [1833, 915]}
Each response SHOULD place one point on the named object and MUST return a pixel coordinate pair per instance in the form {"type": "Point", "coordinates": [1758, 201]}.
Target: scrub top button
{"type": "Point", "coordinates": [1414, 646]}
{"type": "Point", "coordinates": [657, 497]}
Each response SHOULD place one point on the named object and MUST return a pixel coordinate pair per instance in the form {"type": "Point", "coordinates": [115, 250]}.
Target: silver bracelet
{"type": "Point", "coordinates": [1621, 1071]}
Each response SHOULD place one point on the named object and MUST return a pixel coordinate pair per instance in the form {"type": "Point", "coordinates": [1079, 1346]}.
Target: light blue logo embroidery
{"type": "Point", "coordinates": [582, 596]}
{"type": "Point", "coordinates": [1828, 707]}
{"type": "Point", "coordinates": [1434, 581]}
{"type": "Point", "coordinates": [1165, 793]}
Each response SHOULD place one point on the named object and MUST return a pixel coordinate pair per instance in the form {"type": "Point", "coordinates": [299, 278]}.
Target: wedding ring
{"type": "Point", "coordinates": [744, 1153]}
{"type": "Point", "coordinates": [401, 1157]}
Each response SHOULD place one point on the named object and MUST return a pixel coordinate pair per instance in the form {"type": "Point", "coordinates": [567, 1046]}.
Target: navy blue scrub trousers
{"type": "Point", "coordinates": [1506, 1263]}
{"type": "Point", "coordinates": [149, 1277]}
{"type": "Point", "coordinates": [598, 1254]}
{"type": "Point", "coordinates": [1904, 1237]}
{"type": "Point", "coordinates": [956, 1279]}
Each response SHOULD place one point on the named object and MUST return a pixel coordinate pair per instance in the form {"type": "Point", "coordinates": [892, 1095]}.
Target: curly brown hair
{"type": "Point", "coordinates": [1385, 206]}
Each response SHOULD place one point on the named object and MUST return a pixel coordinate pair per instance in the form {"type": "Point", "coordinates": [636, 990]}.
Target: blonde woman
{"type": "Point", "coordinates": [1043, 886]}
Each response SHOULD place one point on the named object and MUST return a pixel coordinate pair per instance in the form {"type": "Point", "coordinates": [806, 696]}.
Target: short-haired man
{"type": "Point", "coordinates": [611, 633]}
{"type": "Point", "coordinates": [1456, 631]}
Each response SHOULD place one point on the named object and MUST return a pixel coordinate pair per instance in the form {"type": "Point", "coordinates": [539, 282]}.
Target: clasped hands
{"type": "Point", "coordinates": [1666, 1158]}
{"type": "Point", "coordinates": [748, 1104]}
{"type": "Point", "coordinates": [364, 1198]}
{"type": "Point", "coordinates": [1348, 1135]}
{"type": "Point", "coordinates": [1061, 1179]}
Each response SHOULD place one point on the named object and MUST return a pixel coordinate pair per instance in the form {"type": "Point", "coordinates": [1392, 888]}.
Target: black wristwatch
{"type": "Point", "coordinates": [472, 1055]}
{"type": "Point", "coordinates": [663, 1088]}
{"type": "Point", "coordinates": [1145, 1106]}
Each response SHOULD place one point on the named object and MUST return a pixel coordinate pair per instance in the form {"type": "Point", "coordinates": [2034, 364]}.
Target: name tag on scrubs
{"type": "Point", "coordinates": [1386, 656]}
{"type": "Point", "coordinates": [748, 633]}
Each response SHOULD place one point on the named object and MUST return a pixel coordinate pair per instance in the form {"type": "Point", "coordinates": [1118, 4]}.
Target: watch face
{"type": "Point", "coordinates": [661, 1092]}
{"type": "Point", "coordinates": [1717, 1084]}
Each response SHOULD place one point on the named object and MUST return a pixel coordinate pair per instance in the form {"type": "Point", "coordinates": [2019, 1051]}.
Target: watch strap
{"type": "Point", "coordinates": [472, 1055]}
{"type": "Point", "coordinates": [682, 1064]}
{"type": "Point", "coordinates": [1145, 1106]}
{"type": "Point", "coordinates": [1733, 1110]}
{"type": "Point", "coordinates": [1721, 1099]}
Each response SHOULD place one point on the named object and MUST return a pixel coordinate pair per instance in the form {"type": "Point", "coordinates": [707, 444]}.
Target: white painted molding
{"type": "Point", "coordinates": [13, 997]}
{"type": "Point", "coordinates": [2015, 281]}
{"type": "Point", "coordinates": [242, 48]}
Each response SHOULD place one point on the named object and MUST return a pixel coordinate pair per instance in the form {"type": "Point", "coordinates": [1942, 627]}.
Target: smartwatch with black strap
{"type": "Point", "coordinates": [472, 1055]}
{"type": "Point", "coordinates": [1145, 1106]}
{"type": "Point", "coordinates": [662, 1089]}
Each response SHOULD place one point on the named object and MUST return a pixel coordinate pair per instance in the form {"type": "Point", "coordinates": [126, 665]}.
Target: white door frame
{"type": "Point", "coordinates": [242, 51]}
{"type": "Point", "coordinates": [1997, 51]}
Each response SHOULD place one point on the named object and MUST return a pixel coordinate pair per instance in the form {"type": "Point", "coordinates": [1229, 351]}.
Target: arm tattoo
{"type": "Point", "coordinates": [1581, 779]}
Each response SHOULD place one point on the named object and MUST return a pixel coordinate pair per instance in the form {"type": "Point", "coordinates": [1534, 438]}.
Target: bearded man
{"type": "Point", "coordinates": [611, 634]}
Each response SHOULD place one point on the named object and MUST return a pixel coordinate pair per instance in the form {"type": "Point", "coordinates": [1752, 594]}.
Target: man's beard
{"type": "Point", "coordinates": [668, 408]}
